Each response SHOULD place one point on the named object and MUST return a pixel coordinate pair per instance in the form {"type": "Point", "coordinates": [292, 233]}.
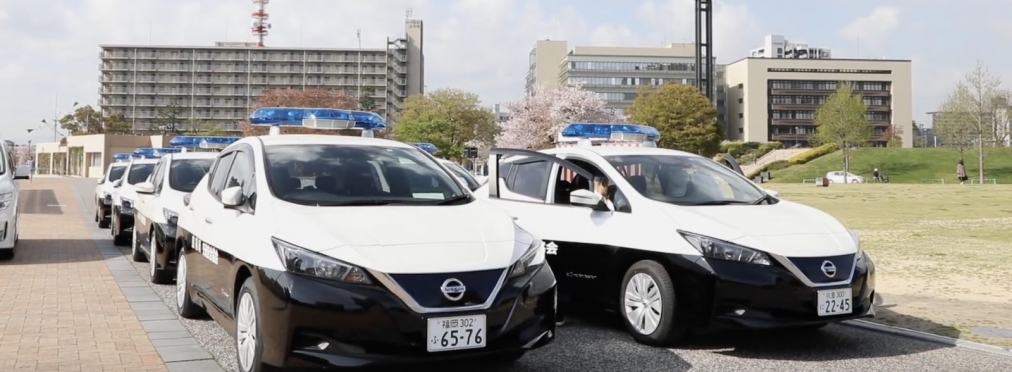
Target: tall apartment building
{"type": "Point", "coordinates": [775, 99]}
{"type": "Point", "coordinates": [776, 46]}
{"type": "Point", "coordinates": [616, 73]}
{"type": "Point", "coordinates": [216, 85]}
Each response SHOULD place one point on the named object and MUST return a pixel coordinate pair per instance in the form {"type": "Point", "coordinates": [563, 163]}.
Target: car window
{"type": "Point", "coordinates": [156, 175]}
{"type": "Point", "coordinates": [185, 174]}
{"type": "Point", "coordinates": [323, 174]}
{"type": "Point", "coordinates": [116, 173]}
{"type": "Point", "coordinates": [684, 180]}
{"type": "Point", "coordinates": [221, 167]}
{"type": "Point", "coordinates": [139, 173]}
{"type": "Point", "coordinates": [569, 181]}
{"type": "Point", "coordinates": [241, 175]}
{"type": "Point", "coordinates": [531, 179]}
{"type": "Point", "coordinates": [463, 174]}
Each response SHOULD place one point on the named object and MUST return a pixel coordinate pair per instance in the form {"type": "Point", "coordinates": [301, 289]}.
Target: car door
{"type": "Point", "coordinates": [144, 216]}
{"type": "Point", "coordinates": [229, 223]}
{"type": "Point", "coordinates": [204, 206]}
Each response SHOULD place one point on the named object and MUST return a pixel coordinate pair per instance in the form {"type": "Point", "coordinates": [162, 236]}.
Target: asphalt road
{"type": "Point", "coordinates": [597, 343]}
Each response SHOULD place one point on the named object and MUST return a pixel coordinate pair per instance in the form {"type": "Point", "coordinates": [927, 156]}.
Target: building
{"type": "Point", "coordinates": [501, 114]}
{"type": "Point", "coordinates": [776, 46]}
{"type": "Point", "coordinates": [616, 73]}
{"type": "Point", "coordinates": [215, 86]}
{"type": "Point", "coordinates": [771, 99]}
{"type": "Point", "coordinates": [89, 154]}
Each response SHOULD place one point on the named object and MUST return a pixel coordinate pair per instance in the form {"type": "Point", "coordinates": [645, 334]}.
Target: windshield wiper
{"type": "Point", "coordinates": [453, 199]}
{"type": "Point", "coordinates": [766, 198]}
{"type": "Point", "coordinates": [359, 202]}
{"type": "Point", "coordinates": [714, 202]}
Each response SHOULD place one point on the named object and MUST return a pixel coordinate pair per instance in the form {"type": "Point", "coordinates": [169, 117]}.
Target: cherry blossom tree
{"type": "Point", "coordinates": [21, 154]}
{"type": "Point", "coordinates": [536, 120]}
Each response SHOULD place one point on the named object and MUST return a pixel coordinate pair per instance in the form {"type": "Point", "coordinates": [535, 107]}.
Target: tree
{"type": "Point", "coordinates": [450, 119]}
{"type": "Point", "coordinates": [316, 97]}
{"type": "Point", "coordinates": [117, 124]}
{"type": "Point", "coordinates": [366, 102]}
{"type": "Point", "coordinates": [920, 135]}
{"type": "Point", "coordinates": [169, 117]}
{"type": "Point", "coordinates": [841, 120]}
{"type": "Point", "coordinates": [84, 120]}
{"type": "Point", "coordinates": [22, 154]}
{"type": "Point", "coordinates": [684, 116]}
{"type": "Point", "coordinates": [974, 103]}
{"type": "Point", "coordinates": [536, 120]}
{"type": "Point", "coordinates": [895, 135]}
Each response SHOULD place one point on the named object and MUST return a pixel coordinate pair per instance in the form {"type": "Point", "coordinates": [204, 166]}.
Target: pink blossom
{"type": "Point", "coordinates": [536, 120]}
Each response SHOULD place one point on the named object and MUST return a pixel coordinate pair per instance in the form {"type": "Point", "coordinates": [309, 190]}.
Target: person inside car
{"type": "Point", "coordinates": [601, 188]}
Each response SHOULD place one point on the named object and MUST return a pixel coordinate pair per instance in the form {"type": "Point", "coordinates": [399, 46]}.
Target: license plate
{"type": "Point", "coordinates": [835, 302]}
{"type": "Point", "coordinates": [456, 333]}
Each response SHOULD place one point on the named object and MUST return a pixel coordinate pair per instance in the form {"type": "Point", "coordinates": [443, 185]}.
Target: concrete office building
{"type": "Point", "coordinates": [217, 85]}
{"type": "Point", "coordinates": [776, 46]}
{"type": "Point", "coordinates": [616, 73]}
{"type": "Point", "coordinates": [775, 99]}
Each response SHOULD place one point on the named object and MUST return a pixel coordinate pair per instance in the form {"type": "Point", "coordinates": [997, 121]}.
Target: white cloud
{"type": "Point", "coordinates": [872, 31]}
{"type": "Point", "coordinates": [736, 29]}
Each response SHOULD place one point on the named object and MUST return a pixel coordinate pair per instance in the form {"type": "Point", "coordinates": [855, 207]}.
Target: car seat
{"type": "Point", "coordinates": [562, 190]}
{"type": "Point", "coordinates": [639, 183]}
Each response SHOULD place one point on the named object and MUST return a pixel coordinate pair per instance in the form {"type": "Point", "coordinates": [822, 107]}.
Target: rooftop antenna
{"type": "Point", "coordinates": [259, 24]}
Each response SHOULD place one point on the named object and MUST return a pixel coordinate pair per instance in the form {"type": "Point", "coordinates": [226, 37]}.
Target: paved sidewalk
{"type": "Point", "coordinates": [62, 309]}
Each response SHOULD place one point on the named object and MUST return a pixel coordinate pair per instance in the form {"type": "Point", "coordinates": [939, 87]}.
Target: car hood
{"type": "Point", "coordinates": [406, 239]}
{"type": "Point", "coordinates": [786, 228]}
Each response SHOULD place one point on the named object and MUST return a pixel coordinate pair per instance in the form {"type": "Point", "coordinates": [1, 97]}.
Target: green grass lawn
{"type": "Point", "coordinates": [942, 252]}
{"type": "Point", "coordinates": [904, 165]}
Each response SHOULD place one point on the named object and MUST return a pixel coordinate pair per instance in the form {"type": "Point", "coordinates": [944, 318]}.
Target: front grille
{"type": "Point", "coordinates": [426, 289]}
{"type": "Point", "coordinates": [812, 267]}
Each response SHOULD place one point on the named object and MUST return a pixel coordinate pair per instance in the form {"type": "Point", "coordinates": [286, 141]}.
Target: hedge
{"type": "Point", "coordinates": [813, 154]}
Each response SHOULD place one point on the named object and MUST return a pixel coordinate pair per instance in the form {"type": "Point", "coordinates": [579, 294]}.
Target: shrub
{"type": "Point", "coordinates": [770, 146]}
{"type": "Point", "coordinates": [728, 147]}
{"type": "Point", "coordinates": [813, 154]}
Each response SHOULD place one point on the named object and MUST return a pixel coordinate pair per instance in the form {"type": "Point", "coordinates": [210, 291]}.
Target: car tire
{"type": "Point", "coordinates": [118, 238]}
{"type": "Point", "coordinates": [184, 303]}
{"type": "Point", "coordinates": [854, 181]}
{"type": "Point", "coordinates": [103, 220]}
{"type": "Point", "coordinates": [6, 254]}
{"type": "Point", "coordinates": [158, 276]}
{"type": "Point", "coordinates": [135, 252]}
{"type": "Point", "coordinates": [645, 280]}
{"type": "Point", "coordinates": [249, 348]}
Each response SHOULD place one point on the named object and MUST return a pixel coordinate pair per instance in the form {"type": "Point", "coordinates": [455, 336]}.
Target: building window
{"type": "Point", "coordinates": [741, 115]}
{"type": "Point", "coordinates": [741, 100]}
{"type": "Point", "coordinates": [741, 130]}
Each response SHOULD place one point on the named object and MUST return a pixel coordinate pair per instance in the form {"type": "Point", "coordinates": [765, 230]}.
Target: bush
{"type": "Point", "coordinates": [813, 154]}
{"type": "Point", "coordinates": [770, 146]}
{"type": "Point", "coordinates": [737, 148]}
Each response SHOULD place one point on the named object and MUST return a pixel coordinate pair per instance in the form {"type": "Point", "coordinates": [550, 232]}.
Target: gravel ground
{"type": "Point", "coordinates": [592, 343]}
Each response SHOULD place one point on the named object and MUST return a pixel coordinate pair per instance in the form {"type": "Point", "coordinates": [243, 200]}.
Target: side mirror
{"type": "Point", "coordinates": [186, 200]}
{"type": "Point", "coordinates": [22, 172]}
{"type": "Point", "coordinates": [145, 188]}
{"type": "Point", "coordinates": [772, 193]}
{"type": "Point", "coordinates": [232, 196]}
{"type": "Point", "coordinates": [101, 180]}
{"type": "Point", "coordinates": [117, 183]}
{"type": "Point", "coordinates": [587, 198]}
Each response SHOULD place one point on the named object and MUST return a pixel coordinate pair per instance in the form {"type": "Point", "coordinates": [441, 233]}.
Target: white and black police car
{"type": "Point", "coordinates": [674, 241]}
{"type": "Point", "coordinates": [345, 251]}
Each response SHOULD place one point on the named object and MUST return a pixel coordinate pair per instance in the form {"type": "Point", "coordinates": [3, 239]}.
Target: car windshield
{"type": "Point", "coordinates": [685, 180]}
{"type": "Point", "coordinates": [463, 174]}
{"type": "Point", "coordinates": [139, 173]}
{"type": "Point", "coordinates": [184, 174]}
{"type": "Point", "coordinates": [323, 174]}
{"type": "Point", "coordinates": [116, 173]}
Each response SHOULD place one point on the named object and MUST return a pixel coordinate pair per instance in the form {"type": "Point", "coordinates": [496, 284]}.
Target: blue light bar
{"type": "Point", "coordinates": [154, 153]}
{"type": "Point", "coordinates": [427, 147]}
{"type": "Point", "coordinates": [194, 141]}
{"type": "Point", "coordinates": [123, 156]}
{"type": "Point", "coordinates": [606, 131]}
{"type": "Point", "coordinates": [293, 116]}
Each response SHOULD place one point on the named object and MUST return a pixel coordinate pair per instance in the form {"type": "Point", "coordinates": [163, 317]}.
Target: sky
{"type": "Point", "coordinates": [49, 54]}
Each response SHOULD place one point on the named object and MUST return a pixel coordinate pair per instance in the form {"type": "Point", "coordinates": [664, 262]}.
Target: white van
{"type": "Point", "coordinates": [9, 192]}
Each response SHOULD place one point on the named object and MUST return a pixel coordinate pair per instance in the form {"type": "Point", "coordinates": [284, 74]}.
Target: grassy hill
{"type": "Point", "coordinates": [904, 165]}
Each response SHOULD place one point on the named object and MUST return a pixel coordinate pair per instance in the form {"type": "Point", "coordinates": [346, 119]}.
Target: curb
{"type": "Point", "coordinates": [929, 337]}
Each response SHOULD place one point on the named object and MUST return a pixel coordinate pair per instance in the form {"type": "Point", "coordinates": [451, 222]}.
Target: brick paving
{"type": "Point", "coordinates": [61, 309]}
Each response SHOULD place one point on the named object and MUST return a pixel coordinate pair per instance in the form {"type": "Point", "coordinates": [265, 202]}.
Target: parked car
{"type": "Point", "coordinates": [104, 190]}
{"type": "Point", "coordinates": [844, 177]}
{"type": "Point", "coordinates": [159, 201]}
{"type": "Point", "coordinates": [124, 197]}
{"type": "Point", "coordinates": [10, 210]}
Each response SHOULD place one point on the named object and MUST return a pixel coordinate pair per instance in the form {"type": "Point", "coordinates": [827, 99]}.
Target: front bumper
{"type": "Point", "coordinates": [764, 297]}
{"type": "Point", "coordinates": [368, 326]}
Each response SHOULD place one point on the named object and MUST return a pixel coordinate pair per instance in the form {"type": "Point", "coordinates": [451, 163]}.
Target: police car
{"type": "Point", "coordinates": [106, 187]}
{"type": "Point", "coordinates": [124, 198]}
{"type": "Point", "coordinates": [462, 174]}
{"type": "Point", "coordinates": [344, 251]}
{"type": "Point", "coordinates": [9, 193]}
{"type": "Point", "coordinates": [674, 241]}
{"type": "Point", "coordinates": [159, 201]}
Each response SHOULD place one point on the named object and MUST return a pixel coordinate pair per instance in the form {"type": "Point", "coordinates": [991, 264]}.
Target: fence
{"type": "Point", "coordinates": [807, 180]}
{"type": "Point", "coordinates": [933, 180]}
{"type": "Point", "coordinates": [992, 181]}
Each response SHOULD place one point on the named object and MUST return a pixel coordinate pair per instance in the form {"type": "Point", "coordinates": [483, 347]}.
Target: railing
{"type": "Point", "coordinates": [933, 180]}
{"type": "Point", "coordinates": [992, 181]}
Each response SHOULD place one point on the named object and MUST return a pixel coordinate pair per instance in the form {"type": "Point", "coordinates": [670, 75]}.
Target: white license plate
{"type": "Point", "coordinates": [835, 302]}
{"type": "Point", "coordinates": [456, 333]}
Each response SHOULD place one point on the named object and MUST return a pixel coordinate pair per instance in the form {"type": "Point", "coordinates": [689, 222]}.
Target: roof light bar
{"type": "Point", "coordinates": [153, 152]}
{"type": "Point", "coordinates": [317, 118]}
{"type": "Point", "coordinates": [427, 147]}
{"type": "Point", "coordinates": [121, 157]}
{"type": "Point", "coordinates": [198, 141]}
{"type": "Point", "coordinates": [608, 131]}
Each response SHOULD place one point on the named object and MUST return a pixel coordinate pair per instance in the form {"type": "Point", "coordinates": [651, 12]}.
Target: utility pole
{"type": "Point", "coordinates": [358, 79]}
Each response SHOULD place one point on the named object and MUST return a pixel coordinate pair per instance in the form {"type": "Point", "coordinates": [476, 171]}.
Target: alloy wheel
{"type": "Point", "coordinates": [643, 307]}
{"type": "Point", "coordinates": [153, 256]}
{"type": "Point", "coordinates": [181, 281]}
{"type": "Point", "coordinates": [245, 334]}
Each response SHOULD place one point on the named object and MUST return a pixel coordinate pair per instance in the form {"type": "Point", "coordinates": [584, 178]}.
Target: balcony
{"type": "Point", "coordinates": [796, 106]}
{"type": "Point", "coordinates": [792, 121]}
{"type": "Point", "coordinates": [793, 137]}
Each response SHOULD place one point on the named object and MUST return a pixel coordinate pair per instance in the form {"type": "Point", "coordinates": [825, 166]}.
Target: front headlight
{"type": "Point", "coordinates": [722, 250]}
{"type": "Point", "coordinates": [861, 254]}
{"type": "Point", "coordinates": [300, 261]}
{"type": "Point", "coordinates": [5, 200]}
{"type": "Point", "coordinates": [534, 257]}
{"type": "Point", "coordinates": [170, 217]}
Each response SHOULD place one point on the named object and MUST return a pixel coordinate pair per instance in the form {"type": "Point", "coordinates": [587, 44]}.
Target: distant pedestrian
{"type": "Point", "coordinates": [875, 175]}
{"type": "Point", "coordinates": [961, 172]}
